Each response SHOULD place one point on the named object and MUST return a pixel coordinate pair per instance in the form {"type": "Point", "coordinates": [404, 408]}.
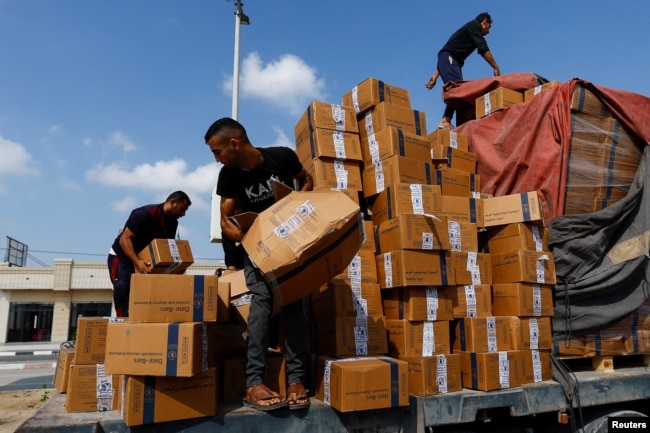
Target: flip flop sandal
{"type": "Point", "coordinates": [298, 389]}
{"type": "Point", "coordinates": [261, 392]}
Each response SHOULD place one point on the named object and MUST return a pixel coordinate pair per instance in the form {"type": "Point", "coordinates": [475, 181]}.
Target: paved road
{"type": "Point", "coordinates": [22, 372]}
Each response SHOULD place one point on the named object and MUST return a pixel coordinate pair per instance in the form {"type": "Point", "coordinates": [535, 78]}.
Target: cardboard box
{"type": "Point", "coordinates": [463, 236]}
{"type": "Point", "coordinates": [512, 208]}
{"type": "Point", "coordinates": [531, 333]}
{"type": "Point", "coordinates": [90, 343]}
{"type": "Point", "coordinates": [342, 298]}
{"type": "Point", "coordinates": [569, 346]}
{"type": "Point", "coordinates": [371, 92]}
{"type": "Point", "coordinates": [150, 399]}
{"type": "Point", "coordinates": [523, 266]}
{"type": "Point", "coordinates": [362, 268]}
{"type": "Point", "coordinates": [405, 198]}
{"type": "Point", "coordinates": [395, 169]}
{"type": "Point", "coordinates": [167, 256]}
{"type": "Point", "coordinates": [472, 300]}
{"type": "Point", "coordinates": [401, 268]}
{"type": "Point", "coordinates": [446, 156]}
{"type": "Point", "coordinates": [522, 299]}
{"type": "Point", "coordinates": [339, 174]}
{"type": "Point", "coordinates": [173, 298]}
{"type": "Point", "coordinates": [412, 232]}
{"type": "Point", "coordinates": [223, 300]}
{"type": "Point", "coordinates": [471, 268]}
{"type": "Point", "coordinates": [386, 114]}
{"type": "Point", "coordinates": [418, 303]}
{"type": "Point", "coordinates": [528, 94]}
{"type": "Point", "coordinates": [585, 101]}
{"type": "Point", "coordinates": [483, 334]}
{"type": "Point", "coordinates": [490, 371]}
{"type": "Point", "coordinates": [325, 115]}
{"type": "Point", "coordinates": [65, 358]}
{"type": "Point", "coordinates": [352, 336]}
{"type": "Point", "coordinates": [361, 384]}
{"type": "Point", "coordinates": [497, 100]}
{"type": "Point", "coordinates": [462, 209]}
{"type": "Point", "coordinates": [317, 232]}
{"type": "Point", "coordinates": [444, 137]}
{"type": "Point", "coordinates": [393, 141]}
{"type": "Point", "coordinates": [157, 349]}
{"type": "Point", "coordinates": [433, 375]}
{"type": "Point", "coordinates": [517, 236]}
{"type": "Point", "coordinates": [410, 338]}
{"type": "Point", "coordinates": [240, 296]}
{"type": "Point", "coordinates": [537, 366]}
{"type": "Point", "coordinates": [456, 182]}
{"type": "Point", "coordinates": [325, 143]}
{"type": "Point", "coordinates": [90, 389]}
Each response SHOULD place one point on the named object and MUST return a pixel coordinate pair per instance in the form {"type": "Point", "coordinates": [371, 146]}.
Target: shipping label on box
{"type": "Point", "coordinates": [497, 100]}
{"type": "Point", "coordinates": [304, 240]}
{"type": "Point", "coordinates": [342, 298]}
{"type": "Point", "coordinates": [512, 208]}
{"type": "Point", "coordinates": [413, 232]}
{"type": "Point", "coordinates": [325, 115]}
{"type": "Point", "coordinates": [405, 198]}
{"type": "Point", "coordinates": [517, 236]}
{"type": "Point", "coordinates": [418, 303]}
{"type": "Point", "coordinates": [167, 256]}
{"type": "Point", "coordinates": [363, 267]}
{"type": "Point", "coordinates": [483, 334]}
{"type": "Point", "coordinates": [490, 371]}
{"type": "Point", "coordinates": [522, 299]}
{"type": "Point", "coordinates": [523, 266]}
{"type": "Point", "coordinates": [173, 298]}
{"type": "Point", "coordinates": [371, 92]}
{"type": "Point", "coordinates": [445, 156]}
{"type": "Point", "coordinates": [337, 174]}
{"type": "Point", "coordinates": [463, 237]}
{"type": "Point", "coordinates": [157, 349]}
{"type": "Point", "coordinates": [528, 94]}
{"type": "Point", "coordinates": [395, 169]}
{"type": "Point", "coordinates": [537, 366]}
{"type": "Point", "coordinates": [433, 375]}
{"type": "Point", "coordinates": [150, 399]}
{"type": "Point", "coordinates": [393, 141]}
{"type": "Point", "coordinates": [90, 346]}
{"type": "Point", "coordinates": [444, 137]}
{"type": "Point", "coordinates": [325, 143]}
{"type": "Point", "coordinates": [410, 338]}
{"type": "Point", "coordinates": [531, 333]}
{"type": "Point", "coordinates": [401, 268]}
{"type": "Point", "coordinates": [471, 268]}
{"type": "Point", "coordinates": [352, 336]}
{"type": "Point", "coordinates": [90, 389]}
{"type": "Point", "coordinates": [362, 383]}
{"type": "Point", "coordinates": [386, 114]}
{"type": "Point", "coordinates": [472, 300]}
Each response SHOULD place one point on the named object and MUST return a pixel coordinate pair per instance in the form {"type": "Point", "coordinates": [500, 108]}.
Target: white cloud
{"type": "Point", "coordinates": [15, 159]}
{"type": "Point", "coordinates": [117, 138]}
{"type": "Point", "coordinates": [125, 205]}
{"type": "Point", "coordinates": [282, 139]}
{"type": "Point", "coordinates": [289, 82]}
{"type": "Point", "coordinates": [69, 185]}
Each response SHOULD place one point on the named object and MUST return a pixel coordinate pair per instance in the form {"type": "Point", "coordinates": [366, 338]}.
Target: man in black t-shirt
{"type": "Point", "coordinates": [245, 185]}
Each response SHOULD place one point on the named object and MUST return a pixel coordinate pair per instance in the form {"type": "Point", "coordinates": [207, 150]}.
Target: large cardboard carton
{"type": "Point", "coordinates": [167, 256]}
{"type": "Point", "coordinates": [325, 143]}
{"type": "Point", "coordinates": [413, 232]}
{"type": "Point", "coordinates": [512, 208]}
{"type": "Point", "coordinates": [90, 346]}
{"type": "Point", "coordinates": [585, 101]}
{"type": "Point", "coordinates": [531, 333]}
{"type": "Point", "coordinates": [395, 169]}
{"type": "Point", "coordinates": [456, 182]}
{"type": "Point", "coordinates": [339, 174]}
{"type": "Point", "coordinates": [342, 298]}
{"type": "Point", "coordinates": [150, 399]}
{"type": "Point", "coordinates": [517, 236]}
{"type": "Point", "coordinates": [304, 240]}
{"type": "Point", "coordinates": [523, 266]}
{"type": "Point", "coordinates": [484, 334]}
{"type": "Point", "coordinates": [157, 349]}
{"type": "Point", "coordinates": [405, 198]}
{"type": "Point", "coordinates": [240, 296]}
{"type": "Point", "coordinates": [410, 338]}
{"type": "Point", "coordinates": [352, 336]}
{"type": "Point", "coordinates": [401, 268]}
{"type": "Point", "coordinates": [64, 360]}
{"type": "Point", "coordinates": [463, 236]}
{"type": "Point", "coordinates": [363, 383]}
{"type": "Point", "coordinates": [444, 137]}
{"type": "Point", "coordinates": [363, 266]}
{"type": "Point", "coordinates": [173, 298]}
{"type": "Point", "coordinates": [472, 300]}
{"type": "Point", "coordinates": [528, 94]}
{"type": "Point", "coordinates": [471, 268]}
{"type": "Point", "coordinates": [490, 371]}
{"type": "Point", "coordinates": [433, 375]}
{"type": "Point", "coordinates": [497, 100]}
{"type": "Point", "coordinates": [371, 92]}
{"type": "Point", "coordinates": [393, 141]}
{"type": "Point", "coordinates": [91, 389]}
{"type": "Point", "coordinates": [537, 365]}
{"type": "Point", "coordinates": [446, 156]}
{"type": "Point", "coordinates": [522, 299]}
{"type": "Point", "coordinates": [462, 209]}
{"type": "Point", "coordinates": [386, 114]}
{"type": "Point", "coordinates": [418, 303]}
{"type": "Point", "coordinates": [325, 115]}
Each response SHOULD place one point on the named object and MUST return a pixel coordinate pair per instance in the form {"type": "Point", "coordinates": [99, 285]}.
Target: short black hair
{"type": "Point", "coordinates": [225, 123]}
{"type": "Point", "coordinates": [179, 196]}
{"type": "Point", "coordinates": [484, 16]}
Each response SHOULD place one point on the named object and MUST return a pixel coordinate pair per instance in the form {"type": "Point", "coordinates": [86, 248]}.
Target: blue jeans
{"type": "Point", "coordinates": [449, 70]}
{"type": "Point", "coordinates": [259, 315]}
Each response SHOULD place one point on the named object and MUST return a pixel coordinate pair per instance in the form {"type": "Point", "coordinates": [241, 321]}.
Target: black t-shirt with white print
{"type": "Point", "coordinates": [252, 188]}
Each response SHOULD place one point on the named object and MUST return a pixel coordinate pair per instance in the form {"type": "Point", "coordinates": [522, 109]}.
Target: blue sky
{"type": "Point", "coordinates": [104, 104]}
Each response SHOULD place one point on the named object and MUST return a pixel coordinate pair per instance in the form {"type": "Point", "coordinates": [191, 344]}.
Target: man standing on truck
{"type": "Point", "coordinates": [245, 184]}
{"type": "Point", "coordinates": [453, 54]}
{"type": "Point", "coordinates": [146, 223]}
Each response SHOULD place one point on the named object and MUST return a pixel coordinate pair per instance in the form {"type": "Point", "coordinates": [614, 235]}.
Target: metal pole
{"type": "Point", "coordinates": [235, 73]}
